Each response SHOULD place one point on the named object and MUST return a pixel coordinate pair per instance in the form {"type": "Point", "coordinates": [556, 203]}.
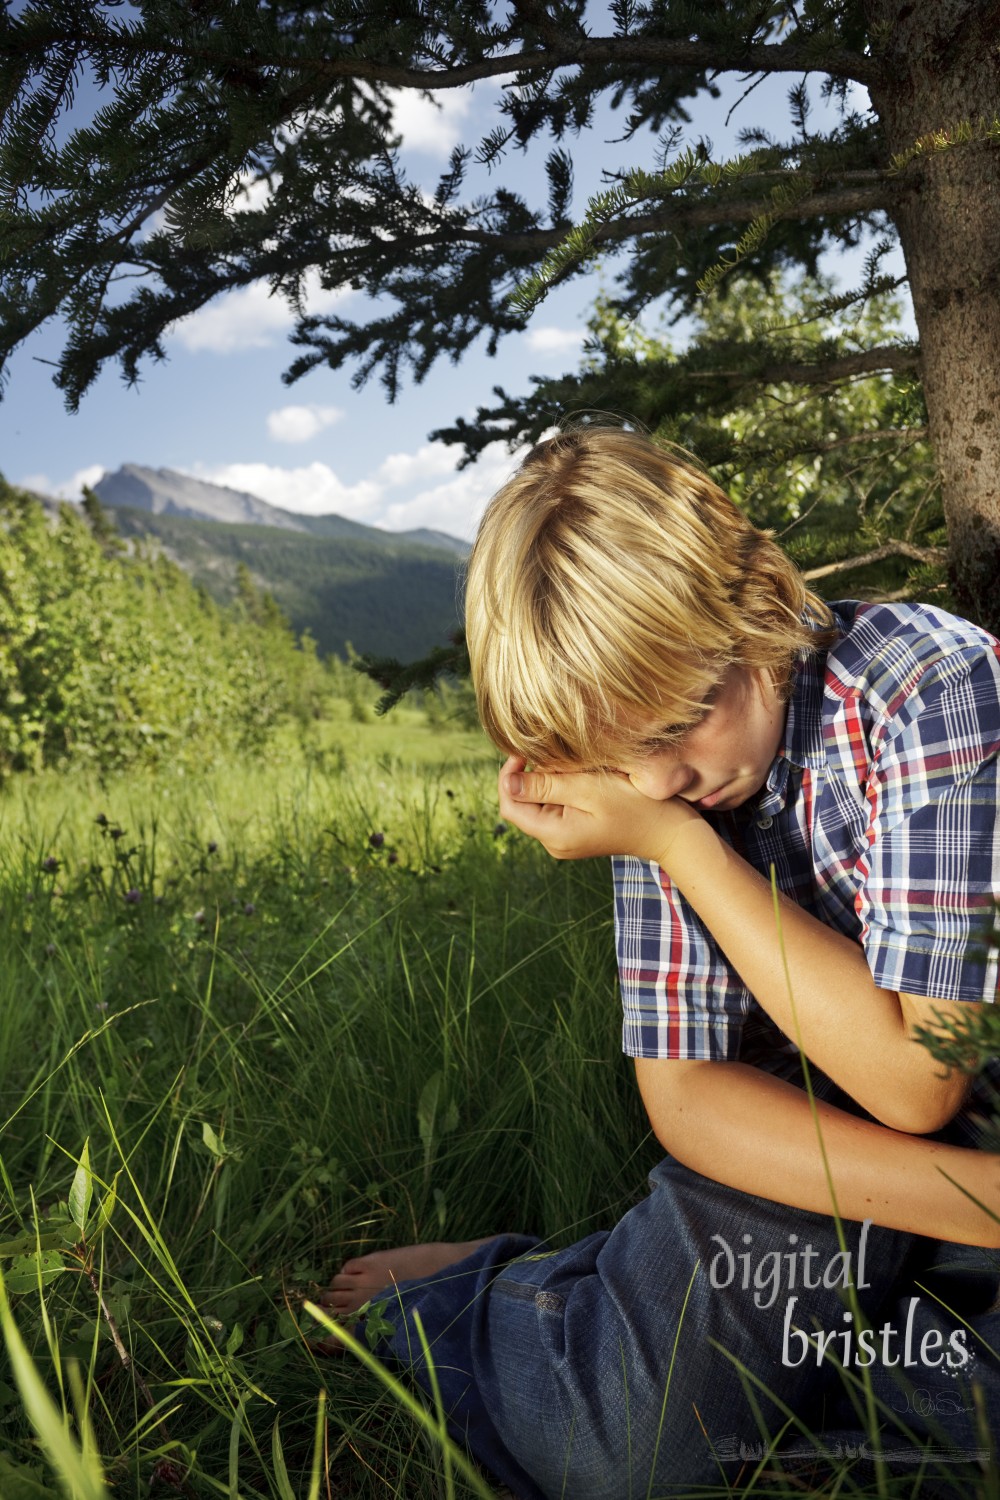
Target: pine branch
{"type": "Point", "coordinates": [617, 53]}
{"type": "Point", "coordinates": [891, 435]}
{"type": "Point", "coordinates": [397, 679]}
{"type": "Point", "coordinates": [887, 358]}
{"type": "Point", "coordinates": [935, 555]}
{"type": "Point", "coordinates": [850, 201]}
{"type": "Point", "coordinates": [199, 103]}
{"type": "Point", "coordinates": [793, 196]}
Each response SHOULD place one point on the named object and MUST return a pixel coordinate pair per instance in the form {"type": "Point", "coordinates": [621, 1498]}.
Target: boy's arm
{"type": "Point", "coordinates": [826, 1001]}
{"type": "Point", "coordinates": [698, 1110]}
{"type": "Point", "coordinates": [860, 1035]}
{"type": "Point", "coordinates": [816, 984]}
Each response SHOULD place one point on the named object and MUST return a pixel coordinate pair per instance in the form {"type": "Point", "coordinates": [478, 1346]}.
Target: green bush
{"type": "Point", "coordinates": [111, 657]}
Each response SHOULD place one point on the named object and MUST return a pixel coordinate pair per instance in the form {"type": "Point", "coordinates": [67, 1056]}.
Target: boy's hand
{"type": "Point", "coordinates": [578, 814]}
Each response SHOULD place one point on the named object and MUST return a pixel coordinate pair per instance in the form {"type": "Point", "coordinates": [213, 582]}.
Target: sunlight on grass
{"type": "Point", "coordinates": [295, 1011]}
{"type": "Point", "coordinates": [252, 1023]}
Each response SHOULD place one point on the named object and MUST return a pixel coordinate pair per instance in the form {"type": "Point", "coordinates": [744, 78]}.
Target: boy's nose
{"type": "Point", "coordinates": [660, 779]}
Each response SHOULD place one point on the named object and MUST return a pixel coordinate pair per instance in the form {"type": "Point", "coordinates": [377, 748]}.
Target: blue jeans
{"type": "Point", "coordinates": [621, 1366]}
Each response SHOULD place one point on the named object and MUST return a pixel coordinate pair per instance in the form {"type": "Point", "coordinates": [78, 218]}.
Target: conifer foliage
{"type": "Point", "coordinates": [140, 216]}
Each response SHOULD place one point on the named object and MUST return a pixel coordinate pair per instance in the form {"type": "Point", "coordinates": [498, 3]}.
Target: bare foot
{"type": "Point", "coordinates": [358, 1280]}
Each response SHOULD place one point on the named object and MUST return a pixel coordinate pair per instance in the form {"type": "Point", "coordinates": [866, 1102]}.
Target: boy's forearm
{"type": "Point", "coordinates": [827, 1001]}
{"type": "Point", "coordinates": [699, 1110]}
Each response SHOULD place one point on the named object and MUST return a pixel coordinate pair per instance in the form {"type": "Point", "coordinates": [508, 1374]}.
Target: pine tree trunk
{"type": "Point", "coordinates": [942, 69]}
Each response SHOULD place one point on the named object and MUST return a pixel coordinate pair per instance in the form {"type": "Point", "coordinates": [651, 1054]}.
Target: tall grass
{"type": "Point", "coordinates": [245, 994]}
{"type": "Point", "coordinates": [251, 1024]}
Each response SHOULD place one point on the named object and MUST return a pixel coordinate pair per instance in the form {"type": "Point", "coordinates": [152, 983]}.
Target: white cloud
{"type": "Point", "coordinates": [548, 340]}
{"type": "Point", "coordinates": [40, 483]}
{"type": "Point", "coordinates": [456, 505]}
{"type": "Point", "coordinates": [408, 468]}
{"type": "Point", "coordinates": [252, 194]}
{"type": "Point", "coordinates": [250, 318]}
{"type": "Point", "coordinates": [453, 505]}
{"type": "Point", "coordinates": [88, 477]}
{"type": "Point", "coordinates": [432, 125]}
{"type": "Point", "coordinates": [313, 490]}
{"type": "Point", "coordinates": [65, 489]}
{"type": "Point", "coordinates": [297, 424]}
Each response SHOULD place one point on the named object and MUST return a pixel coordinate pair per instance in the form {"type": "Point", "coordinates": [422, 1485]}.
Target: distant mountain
{"type": "Point", "coordinates": [165, 492]}
{"type": "Point", "coordinates": [386, 592]}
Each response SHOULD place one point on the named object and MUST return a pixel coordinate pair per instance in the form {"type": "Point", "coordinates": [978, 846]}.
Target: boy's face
{"type": "Point", "coordinates": [724, 760]}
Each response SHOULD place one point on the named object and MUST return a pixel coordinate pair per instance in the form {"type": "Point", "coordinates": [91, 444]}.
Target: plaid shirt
{"type": "Point", "coordinates": [880, 816]}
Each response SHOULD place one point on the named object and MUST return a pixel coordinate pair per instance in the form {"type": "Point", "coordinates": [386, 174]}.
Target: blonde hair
{"type": "Point", "coordinates": [612, 584]}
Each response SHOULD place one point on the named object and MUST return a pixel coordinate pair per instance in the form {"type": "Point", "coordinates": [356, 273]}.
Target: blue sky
{"type": "Point", "coordinates": [217, 407]}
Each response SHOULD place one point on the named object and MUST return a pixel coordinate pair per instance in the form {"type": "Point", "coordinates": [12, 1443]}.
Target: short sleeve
{"type": "Point", "coordinates": [680, 997]}
{"type": "Point", "coordinates": [930, 873]}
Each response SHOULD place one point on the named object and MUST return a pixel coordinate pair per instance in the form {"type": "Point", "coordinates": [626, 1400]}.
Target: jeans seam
{"type": "Point", "coordinates": [523, 1291]}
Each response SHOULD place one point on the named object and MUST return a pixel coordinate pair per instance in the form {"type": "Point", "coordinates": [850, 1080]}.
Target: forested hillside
{"type": "Point", "coordinates": [386, 597]}
{"type": "Point", "coordinates": [111, 658]}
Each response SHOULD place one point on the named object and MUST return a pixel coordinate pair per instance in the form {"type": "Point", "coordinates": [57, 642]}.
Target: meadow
{"type": "Point", "coordinates": [291, 1008]}
{"type": "Point", "coordinates": [253, 1019]}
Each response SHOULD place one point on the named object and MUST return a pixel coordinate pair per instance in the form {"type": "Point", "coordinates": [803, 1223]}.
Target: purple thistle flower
{"type": "Point", "coordinates": [376, 840]}
{"type": "Point", "coordinates": [133, 896]}
{"type": "Point", "coordinates": [50, 865]}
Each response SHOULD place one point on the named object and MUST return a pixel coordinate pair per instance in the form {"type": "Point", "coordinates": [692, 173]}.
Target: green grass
{"type": "Point", "coordinates": [241, 1004]}
{"type": "Point", "coordinates": [244, 1009]}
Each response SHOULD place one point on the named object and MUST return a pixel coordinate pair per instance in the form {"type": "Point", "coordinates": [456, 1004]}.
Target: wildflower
{"type": "Point", "coordinates": [249, 909]}
{"type": "Point", "coordinates": [50, 949]}
{"type": "Point", "coordinates": [199, 916]}
{"type": "Point", "coordinates": [212, 846]}
{"type": "Point", "coordinates": [133, 896]}
{"type": "Point", "coordinates": [101, 820]}
{"type": "Point", "coordinates": [117, 833]}
{"type": "Point", "coordinates": [50, 865]}
{"type": "Point", "coordinates": [376, 840]}
{"type": "Point", "coordinates": [393, 857]}
{"type": "Point", "coordinates": [499, 830]}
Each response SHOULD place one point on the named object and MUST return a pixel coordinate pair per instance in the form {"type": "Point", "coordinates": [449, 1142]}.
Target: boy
{"type": "Point", "coordinates": [690, 709]}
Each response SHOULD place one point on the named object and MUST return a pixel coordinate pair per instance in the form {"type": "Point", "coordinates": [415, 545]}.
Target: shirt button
{"type": "Point", "coordinates": [765, 821]}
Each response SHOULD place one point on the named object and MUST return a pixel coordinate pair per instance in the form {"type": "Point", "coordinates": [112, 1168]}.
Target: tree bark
{"type": "Point", "coordinates": [940, 71]}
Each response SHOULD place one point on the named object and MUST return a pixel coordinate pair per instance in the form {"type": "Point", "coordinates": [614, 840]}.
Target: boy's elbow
{"type": "Point", "coordinates": [928, 1108]}
{"type": "Point", "coordinates": [929, 1095]}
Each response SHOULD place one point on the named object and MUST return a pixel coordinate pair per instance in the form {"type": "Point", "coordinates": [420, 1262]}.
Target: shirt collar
{"type": "Point", "coordinates": [803, 744]}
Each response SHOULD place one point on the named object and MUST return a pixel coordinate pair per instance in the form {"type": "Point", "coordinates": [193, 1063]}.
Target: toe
{"type": "Point", "coordinates": [354, 1267]}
